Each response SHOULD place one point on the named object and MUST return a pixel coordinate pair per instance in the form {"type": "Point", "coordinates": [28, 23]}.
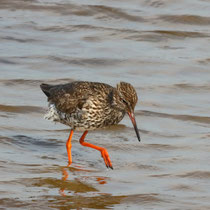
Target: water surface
{"type": "Point", "coordinates": [162, 48]}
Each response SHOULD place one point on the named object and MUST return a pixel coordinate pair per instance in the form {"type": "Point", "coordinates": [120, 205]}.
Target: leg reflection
{"type": "Point", "coordinates": [101, 180]}
{"type": "Point", "coordinates": [80, 180]}
{"type": "Point", "coordinates": [65, 176]}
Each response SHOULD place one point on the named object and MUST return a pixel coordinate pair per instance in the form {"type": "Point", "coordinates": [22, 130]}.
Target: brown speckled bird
{"type": "Point", "coordinates": [87, 106]}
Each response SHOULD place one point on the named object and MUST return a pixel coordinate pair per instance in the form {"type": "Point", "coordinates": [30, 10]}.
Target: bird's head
{"type": "Point", "coordinates": [127, 100]}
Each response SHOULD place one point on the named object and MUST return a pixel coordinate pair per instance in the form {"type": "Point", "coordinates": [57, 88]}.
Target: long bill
{"type": "Point", "coordinates": [133, 120]}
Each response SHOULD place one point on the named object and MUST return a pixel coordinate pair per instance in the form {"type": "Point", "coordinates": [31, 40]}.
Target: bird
{"type": "Point", "coordinates": [86, 106]}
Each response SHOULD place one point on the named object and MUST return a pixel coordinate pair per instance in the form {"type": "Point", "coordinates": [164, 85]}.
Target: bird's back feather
{"type": "Point", "coordinates": [68, 97]}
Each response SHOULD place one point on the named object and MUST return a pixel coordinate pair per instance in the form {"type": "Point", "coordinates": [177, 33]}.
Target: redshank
{"type": "Point", "coordinates": [87, 106]}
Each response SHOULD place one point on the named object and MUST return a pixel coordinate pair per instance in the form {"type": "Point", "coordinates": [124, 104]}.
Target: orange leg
{"type": "Point", "coordinates": [64, 178]}
{"type": "Point", "coordinates": [68, 147]}
{"type": "Point", "coordinates": [103, 151]}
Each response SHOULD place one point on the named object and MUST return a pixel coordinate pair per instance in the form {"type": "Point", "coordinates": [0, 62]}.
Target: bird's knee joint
{"type": "Point", "coordinates": [81, 142]}
{"type": "Point", "coordinates": [68, 146]}
{"type": "Point", "coordinates": [103, 151]}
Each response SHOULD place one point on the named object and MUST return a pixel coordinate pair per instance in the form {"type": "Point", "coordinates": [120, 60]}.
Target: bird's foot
{"type": "Point", "coordinates": [69, 163]}
{"type": "Point", "coordinates": [106, 158]}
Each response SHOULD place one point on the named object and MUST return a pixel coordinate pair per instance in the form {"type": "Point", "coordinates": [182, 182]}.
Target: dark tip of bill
{"type": "Point", "coordinates": [138, 136]}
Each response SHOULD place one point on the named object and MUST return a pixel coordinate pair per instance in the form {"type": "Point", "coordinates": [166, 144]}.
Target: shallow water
{"type": "Point", "coordinates": [162, 48]}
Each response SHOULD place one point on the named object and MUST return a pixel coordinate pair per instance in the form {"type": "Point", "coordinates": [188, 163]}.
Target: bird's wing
{"type": "Point", "coordinates": [67, 98]}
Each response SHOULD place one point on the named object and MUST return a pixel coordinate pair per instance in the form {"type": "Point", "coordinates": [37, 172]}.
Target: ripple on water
{"type": "Point", "coordinates": [196, 175]}
{"type": "Point", "coordinates": [194, 118]}
{"type": "Point", "coordinates": [33, 83]}
{"type": "Point", "coordinates": [184, 187]}
{"type": "Point", "coordinates": [21, 109]}
{"type": "Point", "coordinates": [186, 19]}
{"type": "Point", "coordinates": [86, 61]}
{"type": "Point", "coordinates": [162, 48]}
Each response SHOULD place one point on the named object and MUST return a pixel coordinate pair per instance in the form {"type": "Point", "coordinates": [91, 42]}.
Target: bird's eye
{"type": "Point", "coordinates": [124, 101]}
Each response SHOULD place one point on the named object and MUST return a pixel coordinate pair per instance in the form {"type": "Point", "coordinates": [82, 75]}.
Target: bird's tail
{"type": "Point", "coordinates": [46, 89]}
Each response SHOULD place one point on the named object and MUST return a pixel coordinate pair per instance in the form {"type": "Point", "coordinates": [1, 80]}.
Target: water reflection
{"type": "Point", "coordinates": [65, 176]}
{"type": "Point", "coordinates": [162, 48]}
{"type": "Point", "coordinates": [67, 180]}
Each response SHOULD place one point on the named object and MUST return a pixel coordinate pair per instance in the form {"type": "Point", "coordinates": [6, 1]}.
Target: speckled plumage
{"type": "Point", "coordinates": [87, 105]}
{"type": "Point", "coordinates": [90, 105]}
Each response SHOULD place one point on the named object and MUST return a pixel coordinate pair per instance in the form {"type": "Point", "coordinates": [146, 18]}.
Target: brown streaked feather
{"type": "Point", "coordinates": [128, 92]}
{"type": "Point", "coordinates": [87, 106]}
{"type": "Point", "coordinates": [68, 97]}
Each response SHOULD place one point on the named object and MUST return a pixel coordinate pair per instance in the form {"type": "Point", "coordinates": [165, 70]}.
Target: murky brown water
{"type": "Point", "coordinates": [162, 48]}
